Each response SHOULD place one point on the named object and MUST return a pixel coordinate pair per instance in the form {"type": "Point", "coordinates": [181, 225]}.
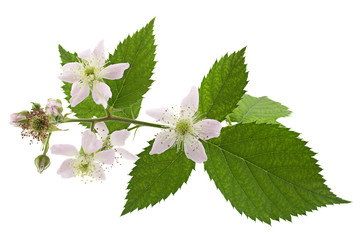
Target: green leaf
{"type": "Point", "coordinates": [67, 57]}
{"type": "Point", "coordinates": [223, 87]}
{"type": "Point", "coordinates": [260, 110]}
{"type": "Point", "coordinates": [266, 172]}
{"type": "Point", "coordinates": [156, 176]}
{"type": "Point", "coordinates": [139, 51]}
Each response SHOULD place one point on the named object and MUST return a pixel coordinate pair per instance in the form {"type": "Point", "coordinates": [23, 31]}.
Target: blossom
{"type": "Point", "coordinates": [86, 162]}
{"type": "Point", "coordinates": [53, 107]}
{"type": "Point", "coordinates": [16, 118]}
{"type": "Point", "coordinates": [116, 138]}
{"type": "Point", "coordinates": [89, 74]}
{"type": "Point", "coordinates": [184, 128]}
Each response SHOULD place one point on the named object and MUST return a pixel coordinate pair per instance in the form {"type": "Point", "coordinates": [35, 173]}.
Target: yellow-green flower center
{"type": "Point", "coordinates": [183, 126]}
{"type": "Point", "coordinates": [90, 70]}
{"type": "Point", "coordinates": [39, 124]}
{"type": "Point", "coordinates": [84, 164]}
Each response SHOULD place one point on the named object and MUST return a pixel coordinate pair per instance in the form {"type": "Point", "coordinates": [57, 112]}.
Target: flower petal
{"type": "Point", "coordinates": [78, 93]}
{"type": "Point", "coordinates": [114, 71]}
{"type": "Point", "coordinates": [69, 76]}
{"type": "Point", "coordinates": [118, 138]}
{"type": "Point", "coordinates": [190, 103]}
{"type": "Point", "coordinates": [15, 118]}
{"type": "Point", "coordinates": [106, 157]}
{"type": "Point", "coordinates": [99, 53]}
{"type": "Point", "coordinates": [126, 154]}
{"type": "Point", "coordinates": [101, 93]}
{"type": "Point", "coordinates": [86, 55]}
{"type": "Point", "coordinates": [208, 128]}
{"type": "Point", "coordinates": [163, 141]}
{"type": "Point", "coordinates": [99, 173]}
{"type": "Point", "coordinates": [73, 66]}
{"type": "Point", "coordinates": [102, 130]}
{"type": "Point", "coordinates": [64, 149]}
{"type": "Point", "coordinates": [90, 143]}
{"type": "Point", "coordinates": [194, 149]}
{"type": "Point", "coordinates": [163, 115]}
{"type": "Point", "coordinates": [66, 169]}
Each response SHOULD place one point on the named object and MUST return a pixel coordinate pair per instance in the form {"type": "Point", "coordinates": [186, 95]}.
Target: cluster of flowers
{"type": "Point", "coordinates": [183, 127]}
{"type": "Point", "coordinates": [37, 123]}
{"type": "Point", "coordinates": [93, 153]}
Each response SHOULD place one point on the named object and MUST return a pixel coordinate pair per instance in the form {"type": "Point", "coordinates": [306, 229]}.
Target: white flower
{"type": "Point", "coordinates": [89, 73]}
{"type": "Point", "coordinates": [184, 128]}
{"type": "Point", "coordinates": [86, 162]}
{"type": "Point", "coordinates": [116, 138]}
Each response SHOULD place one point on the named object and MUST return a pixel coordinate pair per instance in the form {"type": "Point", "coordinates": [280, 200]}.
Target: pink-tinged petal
{"type": "Point", "coordinates": [194, 149]}
{"type": "Point", "coordinates": [86, 55]}
{"type": "Point", "coordinates": [90, 143]}
{"type": "Point", "coordinates": [99, 53]}
{"type": "Point", "coordinates": [15, 118]}
{"type": "Point", "coordinates": [73, 66]}
{"type": "Point", "coordinates": [66, 169]}
{"type": "Point", "coordinates": [69, 76]}
{"type": "Point", "coordinates": [190, 103]}
{"type": "Point", "coordinates": [208, 128]}
{"type": "Point", "coordinates": [102, 130]}
{"type": "Point", "coordinates": [114, 71]}
{"type": "Point", "coordinates": [125, 154]}
{"type": "Point", "coordinates": [101, 93]}
{"type": "Point", "coordinates": [163, 141]}
{"type": "Point", "coordinates": [78, 93]}
{"type": "Point", "coordinates": [99, 173]}
{"type": "Point", "coordinates": [118, 138]}
{"type": "Point", "coordinates": [64, 149]}
{"type": "Point", "coordinates": [163, 115]}
{"type": "Point", "coordinates": [106, 157]}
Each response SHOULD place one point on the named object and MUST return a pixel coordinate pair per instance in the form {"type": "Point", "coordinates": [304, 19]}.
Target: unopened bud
{"type": "Point", "coordinates": [42, 162]}
{"type": "Point", "coordinates": [17, 118]}
{"type": "Point", "coordinates": [53, 107]}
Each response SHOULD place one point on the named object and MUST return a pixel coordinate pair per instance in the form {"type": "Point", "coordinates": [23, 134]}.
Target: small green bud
{"type": "Point", "coordinates": [42, 162]}
{"type": "Point", "coordinates": [35, 106]}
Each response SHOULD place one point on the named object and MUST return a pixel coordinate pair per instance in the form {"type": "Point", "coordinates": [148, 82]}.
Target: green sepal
{"type": "Point", "coordinates": [23, 112]}
{"type": "Point", "coordinates": [23, 120]}
{"type": "Point", "coordinates": [35, 106]}
{"type": "Point", "coordinates": [53, 128]}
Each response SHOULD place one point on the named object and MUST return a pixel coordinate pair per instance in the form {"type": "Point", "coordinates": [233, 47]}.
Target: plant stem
{"type": "Point", "coordinates": [115, 118]}
{"type": "Point", "coordinates": [46, 147]}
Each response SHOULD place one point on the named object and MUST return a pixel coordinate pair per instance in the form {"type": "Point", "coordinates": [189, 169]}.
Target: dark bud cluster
{"type": "Point", "coordinates": [37, 125]}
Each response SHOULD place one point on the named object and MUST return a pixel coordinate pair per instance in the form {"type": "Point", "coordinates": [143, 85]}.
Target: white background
{"type": "Point", "coordinates": [304, 54]}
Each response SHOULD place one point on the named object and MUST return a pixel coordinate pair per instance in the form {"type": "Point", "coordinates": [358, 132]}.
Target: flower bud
{"type": "Point", "coordinates": [17, 118]}
{"type": "Point", "coordinates": [53, 107]}
{"type": "Point", "coordinates": [42, 162]}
